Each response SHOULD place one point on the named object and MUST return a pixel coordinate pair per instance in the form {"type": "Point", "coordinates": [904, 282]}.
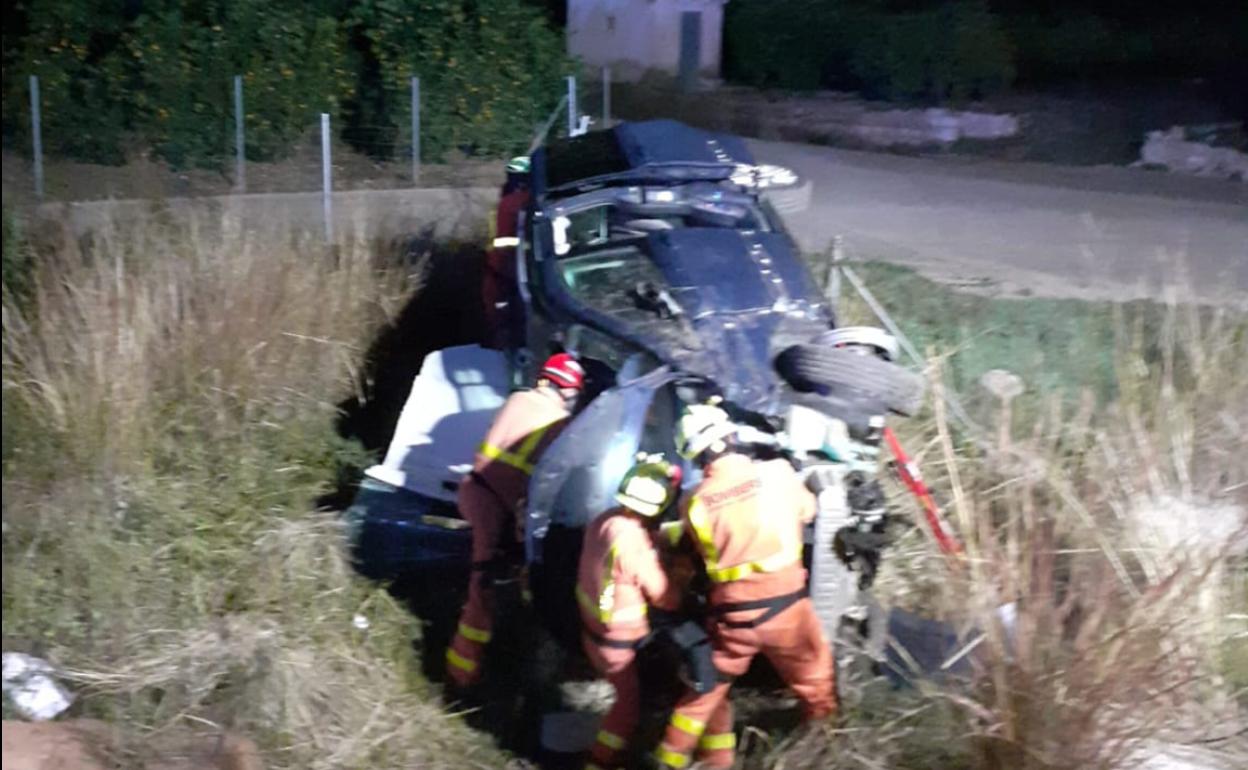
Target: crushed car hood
{"type": "Point", "coordinates": [718, 271]}
{"type": "Point", "coordinates": [747, 296]}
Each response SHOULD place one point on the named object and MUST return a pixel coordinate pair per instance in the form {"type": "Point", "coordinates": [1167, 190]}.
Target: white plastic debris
{"type": "Point", "coordinates": [29, 686]}
{"type": "Point", "coordinates": [943, 125]}
{"type": "Point", "coordinates": [979, 125]}
{"type": "Point", "coordinates": [360, 622]}
{"type": "Point", "coordinates": [1173, 151]}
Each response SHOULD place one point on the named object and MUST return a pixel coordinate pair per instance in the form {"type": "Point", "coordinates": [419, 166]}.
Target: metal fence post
{"type": "Point", "coordinates": [327, 180]}
{"type": "Point", "coordinates": [240, 159]}
{"type": "Point", "coordinates": [415, 130]}
{"type": "Point", "coordinates": [606, 97]}
{"type": "Point", "coordinates": [572, 108]}
{"type": "Point", "coordinates": [36, 135]}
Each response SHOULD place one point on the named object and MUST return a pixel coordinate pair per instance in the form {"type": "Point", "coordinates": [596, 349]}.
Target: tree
{"type": "Point", "coordinates": [489, 71]}
{"type": "Point", "coordinates": [185, 56]}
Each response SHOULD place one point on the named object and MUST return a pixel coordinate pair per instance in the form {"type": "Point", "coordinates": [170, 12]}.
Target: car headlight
{"type": "Point", "coordinates": [764, 177]}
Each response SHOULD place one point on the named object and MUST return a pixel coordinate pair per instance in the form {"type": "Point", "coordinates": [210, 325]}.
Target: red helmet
{"type": "Point", "coordinates": [563, 370]}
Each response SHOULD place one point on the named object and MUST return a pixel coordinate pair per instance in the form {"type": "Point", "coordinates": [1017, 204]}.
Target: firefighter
{"type": "Point", "coordinates": [619, 577]}
{"type": "Point", "coordinates": [499, 279]}
{"type": "Point", "coordinates": [745, 519]}
{"type": "Point", "coordinates": [490, 496]}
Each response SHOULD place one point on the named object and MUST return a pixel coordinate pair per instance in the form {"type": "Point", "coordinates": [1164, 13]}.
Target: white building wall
{"type": "Point", "coordinates": [633, 36]}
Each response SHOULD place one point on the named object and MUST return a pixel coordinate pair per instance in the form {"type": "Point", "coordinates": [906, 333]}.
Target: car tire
{"type": "Point", "coordinates": [817, 368]}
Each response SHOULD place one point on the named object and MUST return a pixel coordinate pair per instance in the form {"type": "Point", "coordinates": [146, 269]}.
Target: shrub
{"type": "Point", "coordinates": [19, 263]}
{"type": "Point", "coordinates": [781, 43]}
{"type": "Point", "coordinates": [70, 47]}
{"type": "Point", "coordinates": [489, 72]}
{"type": "Point", "coordinates": [1075, 44]}
{"type": "Point", "coordinates": [956, 51]}
{"type": "Point", "coordinates": [185, 57]}
{"type": "Point", "coordinates": [162, 76]}
{"type": "Point", "coordinates": [1108, 525]}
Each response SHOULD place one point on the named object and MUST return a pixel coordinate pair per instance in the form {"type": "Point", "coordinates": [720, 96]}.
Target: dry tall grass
{"type": "Point", "coordinates": [1113, 535]}
{"type": "Point", "coordinates": [169, 390]}
{"type": "Point", "coordinates": [169, 395]}
{"type": "Point", "coordinates": [1117, 535]}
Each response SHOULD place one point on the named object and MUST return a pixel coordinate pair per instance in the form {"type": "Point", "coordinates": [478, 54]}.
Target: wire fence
{"type": "Point", "coordinates": [351, 156]}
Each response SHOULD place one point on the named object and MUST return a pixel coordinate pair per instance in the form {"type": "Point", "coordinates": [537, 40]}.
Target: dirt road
{"type": "Point", "coordinates": [1018, 228]}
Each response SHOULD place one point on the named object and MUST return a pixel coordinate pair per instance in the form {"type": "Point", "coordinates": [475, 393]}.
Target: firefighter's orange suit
{"type": "Point", "coordinates": [746, 519]}
{"type": "Point", "coordinates": [489, 497]}
{"type": "Point", "coordinates": [499, 279]}
{"type": "Point", "coordinates": [620, 574]}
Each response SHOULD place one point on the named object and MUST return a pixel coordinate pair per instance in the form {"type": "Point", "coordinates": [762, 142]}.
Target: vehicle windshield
{"type": "Point", "coordinates": [606, 217]}
{"type": "Point", "coordinates": [619, 280]}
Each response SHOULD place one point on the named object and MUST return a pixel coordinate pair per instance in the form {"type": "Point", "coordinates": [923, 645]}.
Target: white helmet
{"type": "Point", "coordinates": [701, 426]}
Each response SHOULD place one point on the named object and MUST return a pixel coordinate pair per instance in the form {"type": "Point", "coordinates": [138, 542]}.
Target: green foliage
{"type": "Point", "coordinates": [1077, 43]}
{"type": "Point", "coordinates": [293, 65]}
{"type": "Point", "coordinates": [168, 428]}
{"type": "Point", "coordinates": [19, 263]}
{"type": "Point", "coordinates": [1058, 346]}
{"type": "Point", "coordinates": [69, 46]}
{"type": "Point", "coordinates": [1080, 44]}
{"type": "Point", "coordinates": [162, 79]}
{"type": "Point", "coordinates": [785, 43]}
{"type": "Point", "coordinates": [489, 71]}
{"type": "Point", "coordinates": [954, 50]}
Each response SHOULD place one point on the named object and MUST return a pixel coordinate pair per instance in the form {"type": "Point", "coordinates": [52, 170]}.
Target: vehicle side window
{"type": "Point", "coordinates": [657, 432]}
{"type": "Point", "coordinates": [622, 357]}
{"type": "Point", "coordinates": [588, 227]}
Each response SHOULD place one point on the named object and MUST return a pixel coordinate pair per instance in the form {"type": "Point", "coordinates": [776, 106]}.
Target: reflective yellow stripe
{"type": "Point", "coordinates": [673, 531]}
{"type": "Point", "coordinates": [530, 441]}
{"type": "Point", "coordinates": [610, 740]}
{"type": "Point", "coordinates": [608, 616]}
{"type": "Point", "coordinates": [776, 561]}
{"type": "Point", "coordinates": [788, 554]}
{"type": "Point", "coordinates": [506, 242]}
{"type": "Point", "coordinates": [718, 741]}
{"type": "Point", "coordinates": [520, 458]}
{"type": "Point", "coordinates": [507, 458]}
{"type": "Point", "coordinates": [687, 724]}
{"type": "Point", "coordinates": [730, 574]}
{"type": "Point", "coordinates": [702, 529]}
{"type": "Point", "coordinates": [604, 608]}
{"type": "Point", "coordinates": [671, 758]}
{"type": "Point", "coordinates": [459, 661]}
{"type": "Point", "coordinates": [474, 634]}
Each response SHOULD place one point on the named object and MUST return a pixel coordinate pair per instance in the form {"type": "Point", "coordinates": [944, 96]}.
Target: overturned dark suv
{"type": "Point", "coordinates": [655, 253]}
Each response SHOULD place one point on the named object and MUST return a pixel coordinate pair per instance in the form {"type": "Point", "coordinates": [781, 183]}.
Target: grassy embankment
{"type": "Point", "coordinates": [1110, 512]}
{"type": "Point", "coordinates": [169, 406]}
{"type": "Point", "coordinates": [169, 400]}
